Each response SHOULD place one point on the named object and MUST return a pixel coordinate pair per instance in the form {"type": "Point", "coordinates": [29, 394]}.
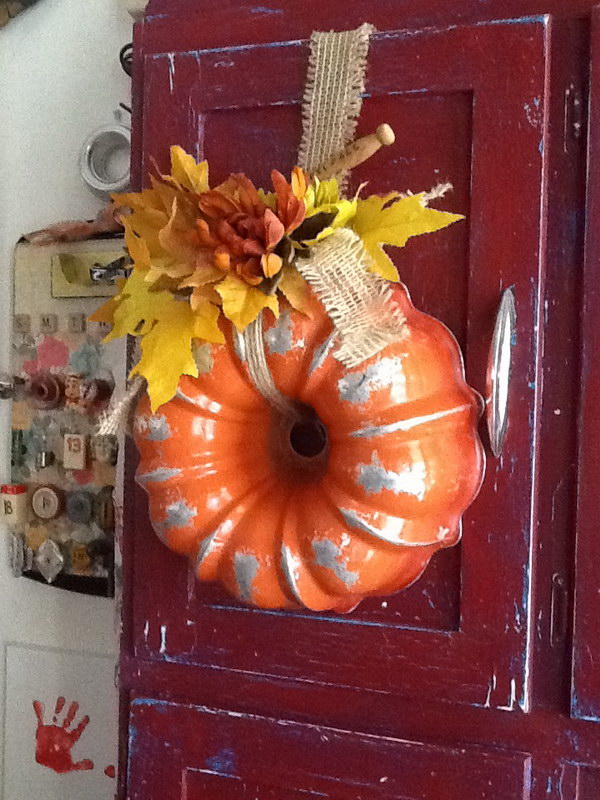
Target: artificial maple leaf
{"type": "Point", "coordinates": [392, 219]}
{"type": "Point", "coordinates": [137, 248]}
{"type": "Point", "coordinates": [179, 238]}
{"type": "Point", "coordinates": [167, 327]}
{"type": "Point", "coordinates": [186, 173]}
{"type": "Point", "coordinates": [206, 322]}
{"type": "Point", "coordinates": [106, 312]}
{"type": "Point", "coordinates": [167, 354]}
{"type": "Point", "coordinates": [323, 200]}
{"type": "Point", "coordinates": [138, 307]}
{"type": "Point", "coordinates": [242, 303]}
{"type": "Point", "coordinates": [295, 289]}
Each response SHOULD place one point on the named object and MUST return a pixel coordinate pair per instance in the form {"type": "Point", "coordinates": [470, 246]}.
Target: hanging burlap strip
{"type": "Point", "coordinates": [333, 95]}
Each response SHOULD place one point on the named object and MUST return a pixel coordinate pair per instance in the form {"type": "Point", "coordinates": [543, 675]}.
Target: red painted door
{"type": "Point", "coordinates": [457, 687]}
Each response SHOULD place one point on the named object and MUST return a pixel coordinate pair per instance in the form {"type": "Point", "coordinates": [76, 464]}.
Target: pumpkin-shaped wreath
{"type": "Point", "coordinates": [349, 498]}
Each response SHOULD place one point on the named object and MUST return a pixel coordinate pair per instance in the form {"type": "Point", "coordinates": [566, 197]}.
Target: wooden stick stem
{"type": "Point", "coordinates": [357, 152]}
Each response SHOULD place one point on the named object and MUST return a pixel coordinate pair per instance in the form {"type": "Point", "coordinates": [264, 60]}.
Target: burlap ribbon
{"type": "Point", "coordinates": [357, 300]}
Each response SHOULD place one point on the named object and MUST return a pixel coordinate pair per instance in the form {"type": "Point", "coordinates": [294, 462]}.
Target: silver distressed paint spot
{"type": "Point", "coordinates": [180, 514]}
{"type": "Point", "coordinates": [154, 428]}
{"type": "Point", "coordinates": [246, 570]}
{"type": "Point", "coordinates": [158, 475]}
{"type": "Point", "coordinates": [330, 556]}
{"type": "Point", "coordinates": [356, 387]}
{"type": "Point", "coordinates": [158, 429]}
{"type": "Point", "coordinates": [213, 541]}
{"type": "Point", "coordinates": [374, 478]}
{"type": "Point", "coordinates": [279, 336]}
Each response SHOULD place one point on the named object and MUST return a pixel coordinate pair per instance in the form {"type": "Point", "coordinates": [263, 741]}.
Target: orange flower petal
{"type": "Point", "coordinates": [271, 264]}
{"type": "Point", "coordinates": [251, 271]}
{"type": "Point", "coordinates": [205, 235]}
{"type": "Point", "coordinates": [274, 229]}
{"type": "Point", "coordinates": [300, 181]}
{"type": "Point", "coordinates": [216, 205]}
{"type": "Point", "coordinates": [222, 259]}
{"type": "Point", "coordinates": [247, 194]}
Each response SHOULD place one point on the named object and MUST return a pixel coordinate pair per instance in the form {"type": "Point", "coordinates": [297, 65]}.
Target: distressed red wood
{"type": "Point", "coordinates": [476, 656]}
{"type": "Point", "coordinates": [480, 654]}
{"type": "Point", "coordinates": [258, 757]}
{"type": "Point", "coordinates": [585, 694]}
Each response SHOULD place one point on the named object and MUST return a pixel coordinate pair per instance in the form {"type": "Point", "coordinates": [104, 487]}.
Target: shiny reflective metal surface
{"type": "Point", "coordinates": [104, 159]}
{"type": "Point", "coordinates": [499, 371]}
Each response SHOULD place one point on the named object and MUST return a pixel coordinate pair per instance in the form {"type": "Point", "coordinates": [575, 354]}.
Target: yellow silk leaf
{"type": "Point", "coordinates": [138, 249]}
{"type": "Point", "coordinates": [106, 312]}
{"type": "Point", "coordinates": [392, 220]}
{"type": "Point", "coordinates": [344, 211]}
{"type": "Point", "coordinates": [268, 198]}
{"type": "Point", "coordinates": [167, 353]}
{"type": "Point", "coordinates": [201, 294]}
{"type": "Point", "coordinates": [139, 308]}
{"type": "Point", "coordinates": [295, 289]}
{"type": "Point", "coordinates": [179, 239]}
{"type": "Point", "coordinates": [326, 192]}
{"type": "Point", "coordinates": [186, 172]}
{"type": "Point", "coordinates": [139, 201]}
{"type": "Point", "coordinates": [202, 274]}
{"type": "Point", "coordinates": [242, 303]}
{"type": "Point", "coordinates": [165, 193]}
{"type": "Point", "coordinates": [206, 323]}
{"type": "Point", "coordinates": [147, 224]}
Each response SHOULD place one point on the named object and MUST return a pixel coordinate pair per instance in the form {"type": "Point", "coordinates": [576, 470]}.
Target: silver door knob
{"type": "Point", "coordinates": [499, 371]}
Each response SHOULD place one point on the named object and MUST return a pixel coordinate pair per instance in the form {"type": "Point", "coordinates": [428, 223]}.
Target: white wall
{"type": "Point", "coordinates": [59, 79]}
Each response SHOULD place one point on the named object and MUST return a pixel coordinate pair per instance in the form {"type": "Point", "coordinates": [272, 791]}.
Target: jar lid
{"type": "Point", "coordinates": [13, 488]}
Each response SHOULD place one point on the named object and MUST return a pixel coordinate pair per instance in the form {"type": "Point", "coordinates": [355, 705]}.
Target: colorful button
{"type": "Point", "coordinates": [49, 560]}
{"type": "Point", "coordinates": [80, 507]}
{"type": "Point", "coordinates": [105, 448]}
{"type": "Point", "coordinates": [47, 502]}
{"type": "Point", "coordinates": [104, 509]}
{"type": "Point", "coordinates": [80, 559]}
{"type": "Point", "coordinates": [46, 390]}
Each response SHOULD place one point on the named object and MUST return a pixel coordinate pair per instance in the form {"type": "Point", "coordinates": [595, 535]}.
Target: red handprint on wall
{"type": "Point", "coordinates": [54, 741]}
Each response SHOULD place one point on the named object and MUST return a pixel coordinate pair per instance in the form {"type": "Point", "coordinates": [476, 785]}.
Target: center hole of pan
{"type": "Point", "coordinates": [308, 438]}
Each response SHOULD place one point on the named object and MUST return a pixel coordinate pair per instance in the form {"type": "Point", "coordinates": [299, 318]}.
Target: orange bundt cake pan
{"type": "Point", "coordinates": [350, 499]}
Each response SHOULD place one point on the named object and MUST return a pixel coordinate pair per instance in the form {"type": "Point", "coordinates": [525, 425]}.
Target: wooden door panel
{"type": "Point", "coordinates": [585, 687]}
{"type": "Point", "coordinates": [216, 754]}
{"type": "Point", "coordinates": [462, 632]}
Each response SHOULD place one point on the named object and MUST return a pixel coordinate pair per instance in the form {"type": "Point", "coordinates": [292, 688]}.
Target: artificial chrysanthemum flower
{"type": "Point", "coordinates": [243, 229]}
